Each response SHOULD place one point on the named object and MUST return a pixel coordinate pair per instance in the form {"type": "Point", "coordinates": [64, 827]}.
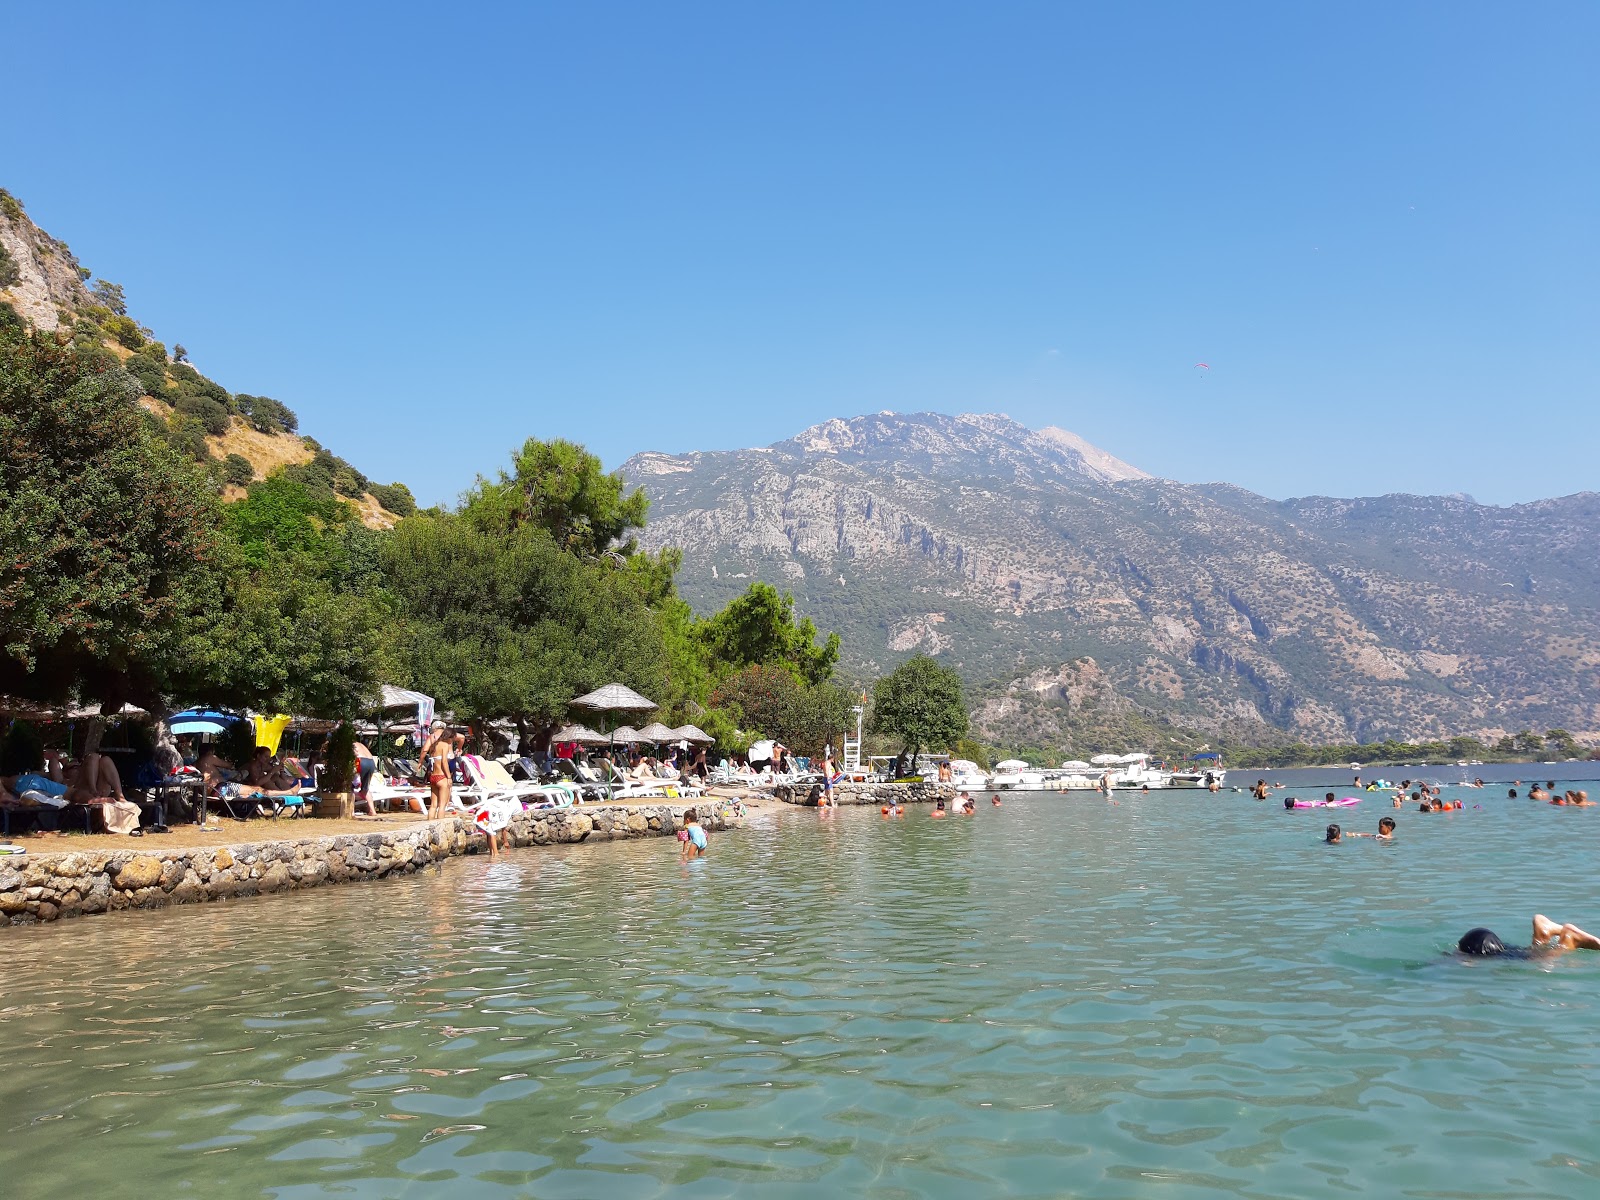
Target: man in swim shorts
{"type": "Point", "coordinates": [1547, 935]}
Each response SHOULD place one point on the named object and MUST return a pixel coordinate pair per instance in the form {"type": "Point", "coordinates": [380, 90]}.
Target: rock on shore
{"type": "Point", "coordinates": [48, 887]}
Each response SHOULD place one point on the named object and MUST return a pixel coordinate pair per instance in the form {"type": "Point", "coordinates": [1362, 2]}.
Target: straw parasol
{"type": "Point", "coordinates": [613, 698]}
{"type": "Point", "coordinates": [691, 733]}
{"type": "Point", "coordinates": [577, 733]}
{"type": "Point", "coordinates": [623, 735]}
{"type": "Point", "coordinates": [657, 732]}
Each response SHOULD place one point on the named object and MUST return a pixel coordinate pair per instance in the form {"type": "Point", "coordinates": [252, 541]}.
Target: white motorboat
{"type": "Point", "coordinates": [1201, 772]}
{"type": "Point", "coordinates": [1014, 775]}
{"type": "Point", "coordinates": [966, 776]}
{"type": "Point", "coordinates": [1137, 771]}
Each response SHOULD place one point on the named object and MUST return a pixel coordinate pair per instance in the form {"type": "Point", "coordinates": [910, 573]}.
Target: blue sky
{"type": "Point", "coordinates": [435, 230]}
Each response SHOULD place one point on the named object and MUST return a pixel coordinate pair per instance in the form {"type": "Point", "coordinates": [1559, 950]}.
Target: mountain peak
{"type": "Point", "coordinates": [945, 441]}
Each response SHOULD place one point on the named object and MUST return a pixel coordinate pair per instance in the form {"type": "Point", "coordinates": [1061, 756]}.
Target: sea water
{"type": "Point", "coordinates": [1174, 995]}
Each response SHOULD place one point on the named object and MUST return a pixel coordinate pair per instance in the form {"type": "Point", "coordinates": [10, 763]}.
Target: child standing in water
{"type": "Point", "coordinates": [694, 841]}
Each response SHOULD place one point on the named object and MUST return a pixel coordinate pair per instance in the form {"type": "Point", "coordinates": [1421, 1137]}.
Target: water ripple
{"type": "Point", "coordinates": [1180, 997]}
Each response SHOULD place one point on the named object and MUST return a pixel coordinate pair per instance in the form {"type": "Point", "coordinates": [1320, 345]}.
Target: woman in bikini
{"type": "Point", "coordinates": [436, 761]}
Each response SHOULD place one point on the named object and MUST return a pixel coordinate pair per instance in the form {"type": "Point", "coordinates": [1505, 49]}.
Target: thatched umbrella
{"type": "Point", "coordinates": [581, 734]}
{"type": "Point", "coordinates": [613, 698]}
{"type": "Point", "coordinates": [657, 732]}
{"type": "Point", "coordinates": [692, 733]}
{"type": "Point", "coordinates": [627, 736]}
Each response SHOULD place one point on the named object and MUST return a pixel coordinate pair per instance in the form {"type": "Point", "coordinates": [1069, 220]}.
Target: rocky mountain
{"type": "Point", "coordinates": [1072, 589]}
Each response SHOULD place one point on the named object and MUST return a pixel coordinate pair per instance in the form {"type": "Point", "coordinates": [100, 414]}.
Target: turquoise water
{"type": "Point", "coordinates": [1175, 996]}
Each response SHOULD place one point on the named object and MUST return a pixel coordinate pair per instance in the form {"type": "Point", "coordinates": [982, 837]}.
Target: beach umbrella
{"type": "Point", "coordinates": [1105, 760]}
{"type": "Point", "coordinates": [656, 732]}
{"type": "Point", "coordinates": [1076, 764]}
{"type": "Point", "coordinates": [627, 736]}
{"type": "Point", "coordinates": [581, 734]}
{"type": "Point", "coordinates": [1011, 764]}
{"type": "Point", "coordinates": [692, 733]}
{"type": "Point", "coordinates": [202, 720]}
{"type": "Point", "coordinates": [613, 698]}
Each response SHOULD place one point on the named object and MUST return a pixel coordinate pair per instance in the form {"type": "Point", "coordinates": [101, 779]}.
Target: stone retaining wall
{"type": "Point", "coordinates": [47, 887]}
{"type": "Point", "coordinates": [876, 794]}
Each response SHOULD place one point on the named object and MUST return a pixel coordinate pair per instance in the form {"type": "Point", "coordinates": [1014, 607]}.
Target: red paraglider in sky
{"type": "Point", "coordinates": [1203, 366]}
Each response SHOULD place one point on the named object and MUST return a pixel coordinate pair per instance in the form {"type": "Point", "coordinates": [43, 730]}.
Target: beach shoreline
{"type": "Point", "coordinates": [92, 874]}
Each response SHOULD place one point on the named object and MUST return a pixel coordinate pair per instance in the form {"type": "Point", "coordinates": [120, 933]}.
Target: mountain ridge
{"type": "Point", "coordinates": [1318, 618]}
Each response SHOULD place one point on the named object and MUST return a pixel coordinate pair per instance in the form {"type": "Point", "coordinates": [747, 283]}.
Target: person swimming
{"type": "Point", "coordinates": [938, 808]}
{"type": "Point", "coordinates": [995, 800]}
{"type": "Point", "coordinates": [1333, 835]}
{"type": "Point", "coordinates": [1548, 935]}
{"type": "Point", "coordinates": [1385, 831]}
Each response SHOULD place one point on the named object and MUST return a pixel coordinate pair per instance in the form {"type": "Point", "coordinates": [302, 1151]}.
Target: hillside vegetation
{"type": "Point", "coordinates": [236, 436]}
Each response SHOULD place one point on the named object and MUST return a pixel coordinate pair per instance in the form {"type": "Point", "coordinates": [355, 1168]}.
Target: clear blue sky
{"type": "Point", "coordinates": [435, 230]}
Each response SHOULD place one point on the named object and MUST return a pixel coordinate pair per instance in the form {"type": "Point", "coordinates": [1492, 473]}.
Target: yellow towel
{"type": "Point", "coordinates": [269, 731]}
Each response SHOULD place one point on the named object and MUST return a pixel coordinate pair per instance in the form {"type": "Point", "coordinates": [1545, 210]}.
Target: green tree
{"type": "Point", "coordinates": [759, 628]}
{"type": "Point", "coordinates": [1562, 743]}
{"type": "Point", "coordinates": [236, 470]}
{"type": "Point", "coordinates": [921, 703]}
{"type": "Point", "coordinates": [1528, 742]}
{"type": "Point", "coordinates": [104, 530]}
{"type": "Point", "coordinates": [772, 700]}
{"type": "Point", "coordinates": [560, 487]}
{"type": "Point", "coordinates": [111, 295]}
{"type": "Point", "coordinates": [505, 623]}
{"type": "Point", "coordinates": [396, 497]}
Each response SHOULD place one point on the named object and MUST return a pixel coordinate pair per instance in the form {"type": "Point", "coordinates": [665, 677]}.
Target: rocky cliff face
{"type": "Point", "coordinates": [48, 280]}
{"type": "Point", "coordinates": [1010, 551]}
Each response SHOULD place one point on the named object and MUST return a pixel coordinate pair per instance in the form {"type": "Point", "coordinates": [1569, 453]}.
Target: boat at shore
{"type": "Point", "coordinates": [1200, 771]}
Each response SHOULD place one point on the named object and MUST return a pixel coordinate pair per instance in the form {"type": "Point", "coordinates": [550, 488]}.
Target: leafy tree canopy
{"type": "Point", "coordinates": [771, 700]}
{"type": "Point", "coordinates": [759, 628]}
{"type": "Point", "coordinates": [561, 488]}
{"type": "Point", "coordinates": [104, 530]}
{"type": "Point", "coordinates": [505, 623]}
{"type": "Point", "coordinates": [921, 703]}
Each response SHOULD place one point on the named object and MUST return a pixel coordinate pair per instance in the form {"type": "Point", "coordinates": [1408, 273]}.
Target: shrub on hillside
{"type": "Point", "coordinates": [125, 329]}
{"type": "Point", "coordinates": [188, 436]}
{"type": "Point", "coordinates": [347, 481]}
{"type": "Point", "coordinates": [266, 414]}
{"type": "Point", "coordinates": [152, 378]}
{"type": "Point", "coordinates": [236, 469]}
{"type": "Point", "coordinates": [396, 497]}
{"type": "Point", "coordinates": [10, 273]}
{"type": "Point", "coordinates": [213, 416]}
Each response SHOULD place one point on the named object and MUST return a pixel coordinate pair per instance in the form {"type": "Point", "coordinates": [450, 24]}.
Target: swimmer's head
{"type": "Point", "coordinates": [1333, 833]}
{"type": "Point", "coordinates": [1481, 941]}
{"type": "Point", "coordinates": [1288, 801]}
{"type": "Point", "coordinates": [1512, 793]}
{"type": "Point", "coordinates": [1386, 825]}
{"type": "Point", "coordinates": [1329, 797]}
